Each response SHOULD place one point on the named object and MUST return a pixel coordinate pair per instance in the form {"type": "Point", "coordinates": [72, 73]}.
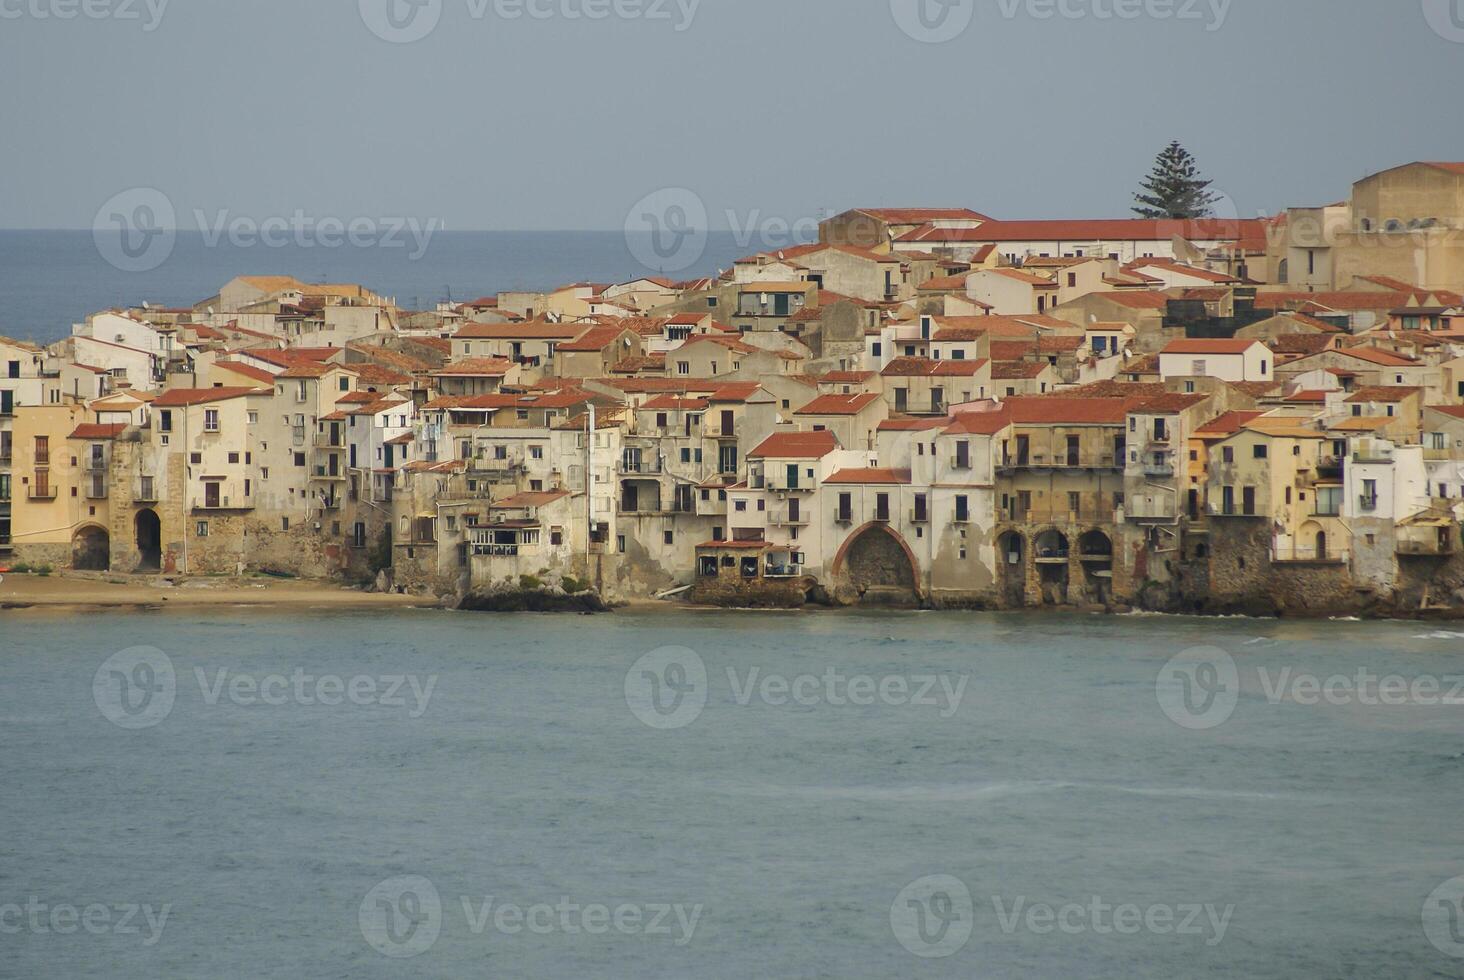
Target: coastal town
{"type": "Point", "coordinates": [927, 406]}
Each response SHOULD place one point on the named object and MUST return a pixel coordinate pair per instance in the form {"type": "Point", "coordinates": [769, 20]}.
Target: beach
{"type": "Point", "coordinates": [71, 591]}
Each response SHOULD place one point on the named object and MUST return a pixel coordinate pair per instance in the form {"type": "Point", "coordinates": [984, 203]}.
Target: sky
{"type": "Point", "coordinates": [566, 114]}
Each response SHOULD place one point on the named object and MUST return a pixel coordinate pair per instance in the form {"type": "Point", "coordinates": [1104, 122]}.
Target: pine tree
{"type": "Point", "coordinates": [1174, 188]}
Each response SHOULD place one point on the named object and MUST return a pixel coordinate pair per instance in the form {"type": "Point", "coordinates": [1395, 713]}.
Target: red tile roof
{"type": "Point", "coordinates": [1197, 345]}
{"type": "Point", "coordinates": [796, 445]}
{"type": "Point", "coordinates": [838, 404]}
{"type": "Point", "coordinates": [92, 430]}
{"type": "Point", "coordinates": [873, 476]}
{"type": "Point", "coordinates": [182, 397]}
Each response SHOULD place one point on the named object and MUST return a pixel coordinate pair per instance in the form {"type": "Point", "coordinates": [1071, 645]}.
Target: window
{"type": "Point", "coordinates": [210, 420]}
{"type": "Point", "coordinates": [299, 459]}
{"type": "Point", "coordinates": [670, 537]}
{"type": "Point", "coordinates": [1258, 451]}
{"type": "Point", "coordinates": [683, 367]}
{"type": "Point", "coordinates": [233, 458]}
{"type": "Point", "coordinates": [1227, 454]}
{"type": "Point", "coordinates": [165, 421]}
{"type": "Point", "coordinates": [963, 509]}
{"type": "Point", "coordinates": [200, 529]}
{"type": "Point", "coordinates": [284, 523]}
{"type": "Point", "coordinates": [253, 418]}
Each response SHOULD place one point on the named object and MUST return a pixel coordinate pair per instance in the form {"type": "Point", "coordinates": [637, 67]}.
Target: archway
{"type": "Point", "coordinates": [91, 549]}
{"type": "Point", "coordinates": [1095, 552]}
{"type": "Point", "coordinates": [1321, 540]}
{"type": "Point", "coordinates": [879, 566]}
{"type": "Point", "coordinates": [149, 535]}
{"type": "Point", "coordinates": [1011, 567]}
{"type": "Point", "coordinates": [1050, 551]}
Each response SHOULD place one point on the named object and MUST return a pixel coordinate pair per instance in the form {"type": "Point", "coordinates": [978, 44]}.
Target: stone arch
{"type": "Point", "coordinates": [1312, 542]}
{"type": "Point", "coordinates": [91, 549]}
{"type": "Point", "coordinates": [1051, 552]}
{"type": "Point", "coordinates": [1011, 567]}
{"type": "Point", "coordinates": [148, 531]}
{"type": "Point", "coordinates": [1095, 554]}
{"type": "Point", "coordinates": [878, 565]}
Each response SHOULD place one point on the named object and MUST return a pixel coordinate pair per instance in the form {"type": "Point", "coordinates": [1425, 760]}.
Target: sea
{"type": "Point", "coordinates": [230, 792]}
{"type": "Point", "coordinates": [50, 280]}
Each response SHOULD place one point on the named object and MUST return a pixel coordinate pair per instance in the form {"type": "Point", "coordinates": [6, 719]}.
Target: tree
{"type": "Point", "coordinates": [1175, 188]}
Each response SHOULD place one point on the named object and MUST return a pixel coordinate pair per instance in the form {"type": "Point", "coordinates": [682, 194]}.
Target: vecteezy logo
{"type": "Point", "coordinates": [667, 231]}
{"type": "Point", "coordinates": [933, 917]}
{"type": "Point", "coordinates": [136, 229]}
{"type": "Point", "coordinates": [1199, 689]}
{"type": "Point", "coordinates": [933, 21]}
{"type": "Point", "coordinates": [135, 688]}
{"type": "Point", "coordinates": [1446, 17]}
{"type": "Point", "coordinates": [401, 917]}
{"type": "Point", "coordinates": [1443, 918]}
{"type": "Point", "coordinates": [401, 21]}
{"type": "Point", "coordinates": [667, 688]}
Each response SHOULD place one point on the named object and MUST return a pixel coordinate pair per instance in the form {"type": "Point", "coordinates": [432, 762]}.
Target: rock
{"type": "Point", "coordinates": [383, 581]}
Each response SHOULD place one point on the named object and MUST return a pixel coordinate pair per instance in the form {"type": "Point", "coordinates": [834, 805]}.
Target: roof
{"type": "Point", "coordinates": [1136, 300]}
{"type": "Point", "coordinates": [870, 476]}
{"type": "Point", "coordinates": [1377, 356]}
{"type": "Point", "coordinates": [1210, 346]}
{"type": "Point", "coordinates": [1362, 423]}
{"type": "Point", "coordinates": [1120, 229]}
{"type": "Point", "coordinates": [182, 397]}
{"type": "Point", "coordinates": [924, 367]}
{"type": "Point", "coordinates": [1228, 423]}
{"type": "Point", "coordinates": [91, 430]}
{"type": "Point", "coordinates": [1018, 370]}
{"type": "Point", "coordinates": [1067, 411]}
{"type": "Point", "coordinates": [915, 216]}
{"type": "Point", "coordinates": [475, 367]}
{"type": "Point", "coordinates": [530, 499]}
{"type": "Point", "coordinates": [796, 445]}
{"type": "Point", "coordinates": [838, 404]}
{"type": "Point", "coordinates": [675, 404]}
{"type": "Point", "coordinates": [247, 370]}
{"type": "Point", "coordinates": [1383, 393]}
{"type": "Point", "coordinates": [529, 330]}
{"type": "Point", "coordinates": [594, 339]}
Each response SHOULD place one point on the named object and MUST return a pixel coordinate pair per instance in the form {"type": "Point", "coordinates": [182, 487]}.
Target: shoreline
{"type": "Point", "coordinates": [70, 592]}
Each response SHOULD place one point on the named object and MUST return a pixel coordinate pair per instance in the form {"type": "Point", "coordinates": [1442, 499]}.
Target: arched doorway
{"type": "Point", "coordinates": [91, 549]}
{"type": "Point", "coordinates": [149, 535]}
{"type": "Point", "coordinates": [1011, 567]}
{"type": "Point", "coordinates": [1321, 540]}
{"type": "Point", "coordinates": [1050, 551]}
{"type": "Point", "coordinates": [1095, 551]}
{"type": "Point", "coordinates": [877, 564]}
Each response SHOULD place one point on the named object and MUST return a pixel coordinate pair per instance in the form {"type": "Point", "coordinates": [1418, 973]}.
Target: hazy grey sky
{"type": "Point", "coordinates": [783, 107]}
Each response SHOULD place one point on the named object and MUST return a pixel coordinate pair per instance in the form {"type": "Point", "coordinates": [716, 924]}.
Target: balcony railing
{"type": "Point", "coordinates": [146, 492]}
{"type": "Point", "coordinates": [1443, 546]}
{"type": "Point", "coordinates": [782, 571]}
{"type": "Point", "coordinates": [642, 467]}
{"type": "Point", "coordinates": [1068, 461]}
{"type": "Point", "coordinates": [1368, 501]}
{"type": "Point", "coordinates": [40, 493]}
{"type": "Point", "coordinates": [1098, 515]}
{"type": "Point", "coordinates": [1293, 554]}
{"type": "Point", "coordinates": [785, 518]}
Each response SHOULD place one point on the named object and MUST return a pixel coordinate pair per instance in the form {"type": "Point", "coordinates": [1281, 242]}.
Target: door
{"type": "Point", "coordinates": [1073, 446]}
{"type": "Point", "coordinates": [729, 426]}
{"type": "Point", "coordinates": [792, 476]}
{"type": "Point", "coordinates": [1022, 450]}
{"type": "Point", "coordinates": [211, 495]}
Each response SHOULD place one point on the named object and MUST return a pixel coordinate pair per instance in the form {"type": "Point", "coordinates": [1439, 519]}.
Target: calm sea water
{"type": "Point", "coordinates": [52, 279]}
{"type": "Point", "coordinates": [281, 836]}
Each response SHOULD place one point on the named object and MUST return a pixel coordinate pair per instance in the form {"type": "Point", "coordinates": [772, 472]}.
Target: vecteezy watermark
{"type": "Point", "coordinates": [1199, 689]}
{"type": "Point", "coordinates": [669, 688]}
{"type": "Point", "coordinates": [1443, 918]}
{"type": "Point", "coordinates": [405, 21]}
{"type": "Point", "coordinates": [403, 917]}
{"type": "Point", "coordinates": [137, 688]}
{"type": "Point", "coordinates": [1103, 918]}
{"type": "Point", "coordinates": [932, 917]}
{"type": "Point", "coordinates": [938, 21]}
{"type": "Point", "coordinates": [96, 919]}
{"type": "Point", "coordinates": [667, 230]}
{"type": "Point", "coordinates": [1446, 18]}
{"type": "Point", "coordinates": [149, 13]}
{"type": "Point", "coordinates": [137, 230]}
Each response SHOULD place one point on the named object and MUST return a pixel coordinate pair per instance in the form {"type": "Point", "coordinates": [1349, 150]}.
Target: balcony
{"type": "Point", "coordinates": [42, 493]}
{"type": "Point", "coordinates": [1367, 501]}
{"type": "Point", "coordinates": [95, 492]}
{"type": "Point", "coordinates": [920, 516]}
{"type": "Point", "coordinates": [844, 519]}
{"type": "Point", "coordinates": [782, 571]}
{"type": "Point", "coordinates": [1083, 515]}
{"type": "Point", "coordinates": [1063, 461]}
{"type": "Point", "coordinates": [784, 518]}
{"type": "Point", "coordinates": [1157, 469]}
{"type": "Point", "coordinates": [1330, 467]}
{"type": "Point", "coordinates": [641, 467]}
{"type": "Point", "coordinates": [93, 465]}
{"type": "Point", "coordinates": [498, 466]}
{"type": "Point", "coordinates": [145, 491]}
{"type": "Point", "coordinates": [1439, 547]}
{"type": "Point", "coordinates": [324, 473]}
{"type": "Point", "coordinates": [1282, 555]}
{"type": "Point", "coordinates": [5, 462]}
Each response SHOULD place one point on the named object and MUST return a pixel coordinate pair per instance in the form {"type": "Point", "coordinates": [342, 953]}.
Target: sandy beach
{"type": "Point", "coordinates": [139, 592]}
